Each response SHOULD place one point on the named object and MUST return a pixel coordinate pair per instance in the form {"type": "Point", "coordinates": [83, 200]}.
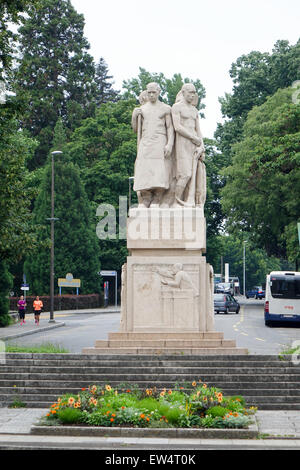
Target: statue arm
{"type": "Point", "coordinates": [180, 129]}
{"type": "Point", "coordinates": [170, 134]}
{"type": "Point", "coordinates": [134, 119]}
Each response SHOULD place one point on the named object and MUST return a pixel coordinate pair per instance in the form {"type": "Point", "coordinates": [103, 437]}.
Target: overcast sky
{"type": "Point", "coordinates": [197, 38]}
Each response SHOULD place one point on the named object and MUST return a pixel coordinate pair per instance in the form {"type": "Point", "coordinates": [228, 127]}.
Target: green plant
{"type": "Point", "coordinates": [17, 403]}
{"type": "Point", "coordinates": [217, 411]}
{"type": "Point", "coordinates": [42, 348]}
{"type": "Point", "coordinates": [70, 415]}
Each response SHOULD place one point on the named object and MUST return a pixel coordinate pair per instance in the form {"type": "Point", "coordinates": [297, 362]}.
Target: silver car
{"type": "Point", "coordinates": [225, 303]}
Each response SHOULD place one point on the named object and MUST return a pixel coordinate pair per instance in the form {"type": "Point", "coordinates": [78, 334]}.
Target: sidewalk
{"type": "Point", "coordinates": [16, 330]}
{"type": "Point", "coordinates": [279, 430]}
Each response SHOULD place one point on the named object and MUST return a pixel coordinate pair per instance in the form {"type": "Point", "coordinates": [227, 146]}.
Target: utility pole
{"type": "Point", "coordinates": [52, 220]}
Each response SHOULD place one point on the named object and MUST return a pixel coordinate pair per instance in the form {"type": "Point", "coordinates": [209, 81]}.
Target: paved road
{"type": "Point", "coordinates": [81, 330]}
{"type": "Point", "coordinates": [249, 330]}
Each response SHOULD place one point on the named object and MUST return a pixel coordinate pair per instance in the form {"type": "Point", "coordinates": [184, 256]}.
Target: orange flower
{"type": "Point", "coordinates": [170, 392]}
{"type": "Point", "coordinates": [142, 416]}
{"type": "Point", "coordinates": [147, 419]}
{"type": "Point", "coordinates": [194, 383]}
{"type": "Point", "coordinates": [71, 401]}
{"type": "Point", "coordinates": [113, 415]}
{"type": "Point", "coordinates": [111, 420]}
{"type": "Point", "coordinates": [83, 389]}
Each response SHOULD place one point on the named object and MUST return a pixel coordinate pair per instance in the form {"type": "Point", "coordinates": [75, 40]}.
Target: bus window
{"type": "Point", "coordinates": [285, 287]}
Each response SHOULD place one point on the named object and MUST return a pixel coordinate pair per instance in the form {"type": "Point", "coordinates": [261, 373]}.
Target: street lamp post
{"type": "Point", "coordinates": [52, 220]}
{"type": "Point", "coordinates": [244, 267]}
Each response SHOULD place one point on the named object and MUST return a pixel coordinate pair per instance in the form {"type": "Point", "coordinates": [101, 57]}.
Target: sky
{"type": "Point", "coordinates": [196, 38]}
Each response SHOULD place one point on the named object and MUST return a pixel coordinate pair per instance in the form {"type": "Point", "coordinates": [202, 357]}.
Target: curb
{"type": "Point", "coordinates": [174, 433]}
{"type": "Point", "coordinates": [31, 332]}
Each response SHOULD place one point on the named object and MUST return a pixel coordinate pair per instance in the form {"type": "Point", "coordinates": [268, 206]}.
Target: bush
{"type": "Point", "coordinates": [69, 416]}
{"type": "Point", "coordinates": [61, 302]}
{"type": "Point", "coordinates": [217, 411]}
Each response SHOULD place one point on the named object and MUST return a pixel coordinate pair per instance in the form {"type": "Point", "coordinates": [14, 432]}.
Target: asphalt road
{"type": "Point", "coordinates": [247, 328]}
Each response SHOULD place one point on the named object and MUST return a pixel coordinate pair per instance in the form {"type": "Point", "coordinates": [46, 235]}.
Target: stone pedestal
{"type": "Point", "coordinates": [167, 288]}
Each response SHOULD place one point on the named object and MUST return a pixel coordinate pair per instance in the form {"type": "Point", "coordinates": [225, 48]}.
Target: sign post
{"type": "Point", "coordinates": [298, 231]}
{"type": "Point", "coordinates": [115, 275]}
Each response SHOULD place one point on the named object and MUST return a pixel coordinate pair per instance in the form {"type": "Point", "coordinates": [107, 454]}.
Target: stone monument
{"type": "Point", "coordinates": [167, 285]}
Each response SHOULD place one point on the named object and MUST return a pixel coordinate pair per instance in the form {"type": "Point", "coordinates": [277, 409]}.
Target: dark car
{"type": "Point", "coordinates": [256, 293]}
{"type": "Point", "coordinates": [226, 303]}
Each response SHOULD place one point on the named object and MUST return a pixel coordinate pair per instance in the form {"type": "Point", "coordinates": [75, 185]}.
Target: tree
{"type": "Point", "coordinates": [255, 76]}
{"type": "Point", "coordinates": [261, 196]}
{"type": "Point", "coordinates": [76, 243]}
{"type": "Point", "coordinates": [104, 147]}
{"type": "Point", "coordinates": [169, 86]}
{"type": "Point", "coordinates": [257, 263]}
{"type": "Point", "coordinates": [104, 87]}
{"type": "Point", "coordinates": [10, 13]}
{"type": "Point", "coordinates": [55, 76]}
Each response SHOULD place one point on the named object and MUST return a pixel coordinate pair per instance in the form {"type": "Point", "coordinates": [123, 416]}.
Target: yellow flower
{"type": "Point", "coordinates": [162, 394]}
{"type": "Point", "coordinates": [170, 392]}
{"type": "Point", "coordinates": [194, 383]}
{"type": "Point", "coordinates": [108, 388]}
{"type": "Point", "coordinates": [71, 401]}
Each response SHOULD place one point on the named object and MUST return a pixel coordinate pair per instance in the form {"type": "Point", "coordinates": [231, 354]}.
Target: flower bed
{"type": "Point", "coordinates": [197, 407]}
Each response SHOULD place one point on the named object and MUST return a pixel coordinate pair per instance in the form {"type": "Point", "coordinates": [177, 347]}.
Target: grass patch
{"type": "Point", "coordinates": [42, 348]}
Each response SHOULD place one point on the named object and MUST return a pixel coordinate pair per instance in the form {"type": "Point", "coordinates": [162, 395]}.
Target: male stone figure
{"type": "Point", "coordinates": [179, 278]}
{"type": "Point", "coordinates": [152, 165]}
{"type": "Point", "coordinates": [189, 148]}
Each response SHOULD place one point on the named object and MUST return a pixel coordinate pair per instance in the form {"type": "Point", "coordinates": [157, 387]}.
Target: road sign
{"type": "Point", "coordinates": [24, 287]}
{"type": "Point", "coordinates": [108, 273]}
{"type": "Point", "coordinates": [68, 281]}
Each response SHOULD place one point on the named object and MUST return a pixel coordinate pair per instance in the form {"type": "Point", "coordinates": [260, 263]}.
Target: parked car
{"type": "Point", "coordinates": [224, 287]}
{"type": "Point", "coordinates": [257, 293]}
{"type": "Point", "coordinates": [225, 303]}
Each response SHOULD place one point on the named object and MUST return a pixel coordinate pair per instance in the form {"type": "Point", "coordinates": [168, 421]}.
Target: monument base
{"type": "Point", "coordinates": [153, 343]}
{"type": "Point", "coordinates": [167, 289]}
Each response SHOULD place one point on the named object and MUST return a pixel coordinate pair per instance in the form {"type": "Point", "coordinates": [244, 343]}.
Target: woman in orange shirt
{"type": "Point", "coordinates": [37, 305]}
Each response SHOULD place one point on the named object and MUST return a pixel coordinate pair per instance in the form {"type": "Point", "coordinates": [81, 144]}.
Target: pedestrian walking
{"type": "Point", "coordinates": [22, 309]}
{"type": "Point", "coordinates": [37, 306]}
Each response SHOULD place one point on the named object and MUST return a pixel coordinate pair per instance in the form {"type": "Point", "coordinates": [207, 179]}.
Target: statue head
{"type": "Point", "coordinates": [153, 91]}
{"type": "Point", "coordinates": [189, 94]}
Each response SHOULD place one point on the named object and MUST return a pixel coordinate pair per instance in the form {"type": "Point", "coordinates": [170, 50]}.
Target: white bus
{"type": "Point", "coordinates": [282, 301]}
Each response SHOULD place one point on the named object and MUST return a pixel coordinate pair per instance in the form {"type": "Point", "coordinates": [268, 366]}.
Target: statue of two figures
{"type": "Point", "coordinates": [169, 168]}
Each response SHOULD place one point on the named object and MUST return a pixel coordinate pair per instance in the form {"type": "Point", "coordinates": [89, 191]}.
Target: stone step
{"type": "Point", "coordinates": [148, 381]}
{"type": "Point", "coordinates": [154, 370]}
{"type": "Point", "coordinates": [165, 336]}
{"type": "Point", "coordinates": [200, 372]}
{"type": "Point", "coordinates": [82, 358]}
{"type": "Point", "coordinates": [157, 362]}
{"type": "Point", "coordinates": [165, 344]}
{"type": "Point", "coordinates": [166, 350]}
{"type": "Point", "coordinates": [59, 391]}
{"type": "Point", "coordinates": [134, 375]}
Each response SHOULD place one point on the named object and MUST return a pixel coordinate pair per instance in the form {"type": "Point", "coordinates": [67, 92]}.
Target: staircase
{"type": "Point", "coordinates": [268, 382]}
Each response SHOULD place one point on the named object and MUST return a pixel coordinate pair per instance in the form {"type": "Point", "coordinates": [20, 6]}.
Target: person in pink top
{"type": "Point", "coordinates": [22, 309]}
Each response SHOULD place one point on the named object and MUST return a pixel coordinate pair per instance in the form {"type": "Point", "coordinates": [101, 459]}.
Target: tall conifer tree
{"type": "Point", "coordinates": [55, 76]}
{"type": "Point", "coordinates": [76, 243]}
